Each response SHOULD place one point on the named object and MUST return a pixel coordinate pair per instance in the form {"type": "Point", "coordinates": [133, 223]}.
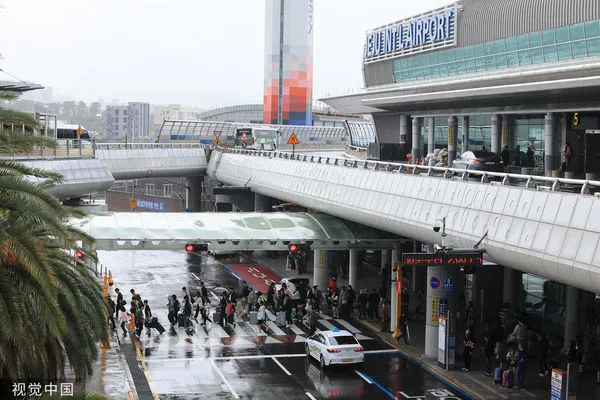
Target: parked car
{"type": "Point", "coordinates": [334, 347]}
{"type": "Point", "coordinates": [479, 160]}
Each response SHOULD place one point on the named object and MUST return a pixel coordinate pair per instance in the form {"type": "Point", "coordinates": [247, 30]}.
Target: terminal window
{"type": "Point", "coordinates": [549, 46]}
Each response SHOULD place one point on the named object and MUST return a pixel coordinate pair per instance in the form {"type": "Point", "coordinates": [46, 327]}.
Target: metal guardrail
{"type": "Point", "coordinates": [144, 146]}
{"type": "Point", "coordinates": [495, 178]}
{"type": "Point", "coordinates": [65, 149]}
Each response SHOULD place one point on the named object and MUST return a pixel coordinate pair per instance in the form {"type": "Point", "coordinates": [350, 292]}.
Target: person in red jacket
{"type": "Point", "coordinates": [229, 311]}
{"type": "Point", "coordinates": [332, 285]}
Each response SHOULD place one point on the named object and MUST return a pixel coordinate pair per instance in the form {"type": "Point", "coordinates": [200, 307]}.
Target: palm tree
{"type": "Point", "coordinates": [51, 306]}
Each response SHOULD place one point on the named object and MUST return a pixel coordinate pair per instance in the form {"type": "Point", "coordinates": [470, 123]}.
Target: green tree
{"type": "Point", "coordinates": [51, 307]}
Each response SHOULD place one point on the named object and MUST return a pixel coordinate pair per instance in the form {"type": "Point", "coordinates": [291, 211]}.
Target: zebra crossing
{"type": "Point", "coordinates": [245, 334]}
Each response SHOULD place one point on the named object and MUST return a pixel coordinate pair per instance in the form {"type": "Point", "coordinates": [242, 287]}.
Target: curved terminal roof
{"type": "Point", "coordinates": [239, 231]}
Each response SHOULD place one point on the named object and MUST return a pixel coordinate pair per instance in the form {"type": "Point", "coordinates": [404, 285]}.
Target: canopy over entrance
{"type": "Point", "coordinates": [229, 231]}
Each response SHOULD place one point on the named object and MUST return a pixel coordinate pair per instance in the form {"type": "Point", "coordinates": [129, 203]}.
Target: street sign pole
{"type": "Point", "coordinates": [293, 150]}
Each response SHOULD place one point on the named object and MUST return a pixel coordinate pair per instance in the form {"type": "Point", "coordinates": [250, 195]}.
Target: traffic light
{"type": "Point", "coordinates": [79, 255]}
{"type": "Point", "coordinates": [293, 248]}
{"type": "Point", "coordinates": [196, 248]}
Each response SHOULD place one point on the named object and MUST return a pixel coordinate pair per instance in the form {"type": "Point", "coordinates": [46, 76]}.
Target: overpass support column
{"type": "Point", "coordinates": [431, 135]}
{"type": "Point", "coordinates": [512, 287]}
{"type": "Point", "coordinates": [550, 140]}
{"type": "Point", "coordinates": [496, 135]}
{"type": "Point", "coordinates": [571, 316]}
{"type": "Point", "coordinates": [404, 128]}
{"type": "Point", "coordinates": [353, 268]}
{"type": "Point", "coordinates": [416, 138]}
{"type": "Point", "coordinates": [262, 203]}
{"type": "Point", "coordinates": [385, 258]}
{"type": "Point", "coordinates": [452, 127]}
{"type": "Point", "coordinates": [193, 193]}
{"type": "Point", "coordinates": [393, 291]}
{"type": "Point", "coordinates": [439, 301]}
{"type": "Point", "coordinates": [465, 134]}
{"type": "Point", "coordinates": [505, 131]}
{"type": "Point", "coordinates": [321, 270]}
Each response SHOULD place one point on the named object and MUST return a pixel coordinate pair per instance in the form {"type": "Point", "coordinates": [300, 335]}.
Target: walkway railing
{"type": "Point", "coordinates": [584, 187]}
{"type": "Point", "coordinates": [143, 146]}
{"type": "Point", "coordinates": [65, 149]}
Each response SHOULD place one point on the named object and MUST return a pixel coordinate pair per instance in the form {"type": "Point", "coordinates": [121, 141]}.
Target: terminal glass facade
{"type": "Point", "coordinates": [564, 43]}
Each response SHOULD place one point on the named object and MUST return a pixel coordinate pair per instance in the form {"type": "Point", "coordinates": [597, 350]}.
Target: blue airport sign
{"type": "Point", "coordinates": [152, 205]}
{"type": "Point", "coordinates": [409, 34]}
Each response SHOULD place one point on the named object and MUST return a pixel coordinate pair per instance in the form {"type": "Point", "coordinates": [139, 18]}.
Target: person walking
{"type": "Point", "coordinates": [505, 156]}
{"type": "Point", "coordinates": [335, 304]}
{"type": "Point", "coordinates": [262, 316]}
{"type": "Point", "coordinates": [351, 297]}
{"type": "Point", "coordinates": [498, 338]}
{"type": "Point", "coordinates": [120, 302]}
{"type": "Point", "coordinates": [136, 297]}
{"type": "Point", "coordinates": [543, 352]}
{"type": "Point", "coordinates": [251, 301]}
{"type": "Point", "coordinates": [222, 307]}
{"type": "Point", "coordinates": [204, 294]}
{"type": "Point", "coordinates": [123, 319]}
{"type": "Point", "coordinates": [469, 346]}
{"type": "Point", "coordinates": [362, 304]}
{"type": "Point", "coordinates": [568, 156]}
{"type": "Point", "coordinates": [403, 328]}
{"type": "Point", "coordinates": [229, 310]}
{"type": "Point", "coordinates": [521, 362]}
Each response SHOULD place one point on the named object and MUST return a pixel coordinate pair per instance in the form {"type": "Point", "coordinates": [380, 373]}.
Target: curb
{"type": "Point", "coordinates": [414, 359]}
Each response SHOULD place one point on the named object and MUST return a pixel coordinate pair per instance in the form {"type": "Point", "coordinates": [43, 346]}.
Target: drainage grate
{"type": "Point", "coordinates": [139, 377]}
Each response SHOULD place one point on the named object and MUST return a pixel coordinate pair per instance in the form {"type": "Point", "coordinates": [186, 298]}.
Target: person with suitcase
{"type": "Point", "coordinates": [157, 325]}
{"type": "Point", "coordinates": [521, 361]}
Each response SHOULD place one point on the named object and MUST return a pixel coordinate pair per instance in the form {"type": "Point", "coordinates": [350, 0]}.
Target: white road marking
{"type": "Point", "coordinates": [257, 332]}
{"type": "Point", "coordinates": [270, 316]}
{"type": "Point", "coordinates": [297, 330]}
{"type": "Point", "coordinates": [381, 351]}
{"type": "Point", "coordinates": [248, 357]}
{"type": "Point", "coordinates": [276, 330]}
{"type": "Point", "coordinates": [217, 331]}
{"type": "Point", "coordinates": [195, 276]}
{"type": "Point", "coordinates": [225, 381]}
{"type": "Point", "coordinates": [310, 396]}
{"type": "Point", "coordinates": [370, 382]}
{"type": "Point", "coordinates": [157, 279]}
{"type": "Point", "coordinates": [348, 326]}
{"type": "Point", "coordinates": [326, 324]}
{"type": "Point", "coordinates": [281, 366]}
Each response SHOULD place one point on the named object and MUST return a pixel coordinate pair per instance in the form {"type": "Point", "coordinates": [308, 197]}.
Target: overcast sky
{"type": "Point", "coordinates": [204, 53]}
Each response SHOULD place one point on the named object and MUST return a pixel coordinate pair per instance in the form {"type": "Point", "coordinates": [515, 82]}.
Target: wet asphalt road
{"type": "Point", "coordinates": [240, 362]}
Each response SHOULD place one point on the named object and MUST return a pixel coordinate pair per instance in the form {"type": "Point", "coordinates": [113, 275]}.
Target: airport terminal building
{"type": "Point", "coordinates": [518, 73]}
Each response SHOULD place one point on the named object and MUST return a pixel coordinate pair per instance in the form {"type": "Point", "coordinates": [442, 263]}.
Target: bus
{"type": "Point", "coordinates": [261, 138]}
{"type": "Point", "coordinates": [69, 131]}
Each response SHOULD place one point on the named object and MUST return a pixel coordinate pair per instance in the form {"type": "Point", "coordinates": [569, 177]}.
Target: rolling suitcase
{"type": "Point", "coordinates": [254, 317]}
{"type": "Point", "coordinates": [157, 325]}
{"type": "Point", "coordinates": [507, 378]}
{"type": "Point", "coordinates": [181, 320]}
{"type": "Point", "coordinates": [498, 376]}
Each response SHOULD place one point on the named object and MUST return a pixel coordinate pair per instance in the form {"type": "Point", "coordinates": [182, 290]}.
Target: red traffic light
{"type": "Point", "coordinates": [79, 254]}
{"type": "Point", "coordinates": [293, 248]}
{"type": "Point", "coordinates": [196, 248]}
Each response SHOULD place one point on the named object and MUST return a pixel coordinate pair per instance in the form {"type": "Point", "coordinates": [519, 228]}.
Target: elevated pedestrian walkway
{"type": "Point", "coordinates": [229, 231]}
{"type": "Point", "coordinates": [544, 226]}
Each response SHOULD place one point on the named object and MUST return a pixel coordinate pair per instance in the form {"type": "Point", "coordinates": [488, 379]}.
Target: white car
{"type": "Point", "coordinates": [334, 347]}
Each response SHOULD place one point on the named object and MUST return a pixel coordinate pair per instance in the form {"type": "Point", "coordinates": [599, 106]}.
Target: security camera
{"type": "Point", "coordinates": [436, 227]}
